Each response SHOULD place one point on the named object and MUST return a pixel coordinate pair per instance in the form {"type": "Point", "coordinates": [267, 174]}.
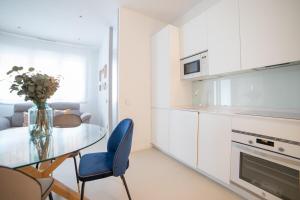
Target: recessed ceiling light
{"type": "Point", "coordinates": [78, 38]}
{"type": "Point", "coordinates": [19, 27]}
{"type": "Point", "coordinates": [80, 16]}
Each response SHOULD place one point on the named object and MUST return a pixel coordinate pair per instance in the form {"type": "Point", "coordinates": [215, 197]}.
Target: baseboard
{"type": "Point", "coordinates": [141, 148]}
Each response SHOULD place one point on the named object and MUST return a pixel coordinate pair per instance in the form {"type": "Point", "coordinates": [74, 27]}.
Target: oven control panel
{"type": "Point", "coordinates": [281, 146]}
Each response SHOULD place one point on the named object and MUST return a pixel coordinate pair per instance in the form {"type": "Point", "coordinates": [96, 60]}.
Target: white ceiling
{"type": "Point", "coordinates": [60, 20]}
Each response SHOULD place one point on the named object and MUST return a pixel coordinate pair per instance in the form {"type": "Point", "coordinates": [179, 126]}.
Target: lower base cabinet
{"type": "Point", "coordinates": [183, 130]}
{"type": "Point", "coordinates": [200, 141]}
{"type": "Point", "coordinates": [214, 145]}
{"type": "Point", "coordinates": [160, 128]}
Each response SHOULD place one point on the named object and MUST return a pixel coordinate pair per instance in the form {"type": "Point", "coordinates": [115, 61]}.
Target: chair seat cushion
{"type": "Point", "coordinates": [46, 184]}
{"type": "Point", "coordinates": [95, 166]}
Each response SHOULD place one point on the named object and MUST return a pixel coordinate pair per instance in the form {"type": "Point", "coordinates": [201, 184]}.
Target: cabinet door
{"type": "Point", "coordinates": [214, 145]}
{"type": "Point", "coordinates": [270, 32]}
{"type": "Point", "coordinates": [193, 36]}
{"type": "Point", "coordinates": [223, 37]}
{"type": "Point", "coordinates": [183, 136]}
{"type": "Point", "coordinates": [160, 69]}
{"type": "Point", "coordinates": [160, 128]}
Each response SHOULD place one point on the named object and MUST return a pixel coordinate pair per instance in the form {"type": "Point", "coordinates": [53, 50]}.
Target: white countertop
{"type": "Point", "coordinates": [283, 114]}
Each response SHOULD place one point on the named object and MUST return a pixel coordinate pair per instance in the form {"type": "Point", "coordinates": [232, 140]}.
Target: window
{"type": "Point", "coordinates": [51, 58]}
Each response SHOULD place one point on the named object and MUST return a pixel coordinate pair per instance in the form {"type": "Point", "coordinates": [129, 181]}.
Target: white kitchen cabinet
{"type": "Point", "coordinates": [183, 128]}
{"type": "Point", "coordinates": [223, 37]}
{"type": "Point", "coordinates": [270, 32]}
{"type": "Point", "coordinates": [161, 87]}
{"type": "Point", "coordinates": [160, 128]}
{"type": "Point", "coordinates": [193, 36]}
{"type": "Point", "coordinates": [214, 145]}
{"type": "Point", "coordinates": [167, 87]}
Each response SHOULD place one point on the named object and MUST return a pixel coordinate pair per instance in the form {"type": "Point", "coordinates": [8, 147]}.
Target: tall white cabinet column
{"type": "Point", "coordinates": [167, 88]}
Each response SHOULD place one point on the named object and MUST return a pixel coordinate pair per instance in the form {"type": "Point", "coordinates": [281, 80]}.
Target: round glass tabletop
{"type": "Point", "coordinates": [17, 149]}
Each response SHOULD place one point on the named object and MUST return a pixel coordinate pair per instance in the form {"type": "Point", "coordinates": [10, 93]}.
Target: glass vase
{"type": "Point", "coordinates": [41, 148]}
{"type": "Point", "coordinates": [40, 120]}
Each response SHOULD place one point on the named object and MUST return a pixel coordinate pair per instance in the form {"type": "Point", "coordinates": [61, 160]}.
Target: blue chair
{"type": "Point", "coordinates": [114, 162]}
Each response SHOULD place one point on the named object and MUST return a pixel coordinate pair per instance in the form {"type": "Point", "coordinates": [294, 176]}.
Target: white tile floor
{"type": "Point", "coordinates": [151, 176]}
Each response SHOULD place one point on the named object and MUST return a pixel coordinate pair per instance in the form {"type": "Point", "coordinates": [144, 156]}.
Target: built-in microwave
{"type": "Point", "coordinates": [195, 67]}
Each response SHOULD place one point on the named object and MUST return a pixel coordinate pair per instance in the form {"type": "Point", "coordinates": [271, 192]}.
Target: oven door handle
{"type": "Point", "coordinates": [269, 155]}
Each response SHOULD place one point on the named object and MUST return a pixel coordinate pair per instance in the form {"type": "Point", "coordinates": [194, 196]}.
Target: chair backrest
{"type": "Point", "coordinates": [119, 143]}
{"type": "Point", "coordinates": [66, 120]}
{"type": "Point", "coordinates": [17, 185]}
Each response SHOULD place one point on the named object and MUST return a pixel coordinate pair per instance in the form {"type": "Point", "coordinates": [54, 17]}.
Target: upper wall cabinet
{"type": "Point", "coordinates": [167, 88]}
{"type": "Point", "coordinates": [270, 32]}
{"type": "Point", "coordinates": [193, 36]}
{"type": "Point", "coordinates": [223, 37]}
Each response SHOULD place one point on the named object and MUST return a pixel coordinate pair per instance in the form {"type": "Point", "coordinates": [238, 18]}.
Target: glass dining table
{"type": "Point", "coordinates": [19, 151]}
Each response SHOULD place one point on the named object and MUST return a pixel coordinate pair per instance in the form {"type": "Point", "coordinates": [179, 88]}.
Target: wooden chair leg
{"type": "Point", "coordinates": [82, 190]}
{"type": "Point", "coordinates": [126, 187]}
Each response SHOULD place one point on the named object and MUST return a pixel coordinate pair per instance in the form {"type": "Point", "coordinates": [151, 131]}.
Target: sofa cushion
{"type": "Point", "coordinates": [25, 119]}
{"type": "Point", "coordinates": [4, 123]}
{"type": "Point", "coordinates": [17, 119]}
{"type": "Point", "coordinates": [22, 107]}
{"type": "Point", "coordinates": [64, 106]}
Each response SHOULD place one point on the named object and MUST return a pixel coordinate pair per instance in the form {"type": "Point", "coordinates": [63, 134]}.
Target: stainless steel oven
{"type": "Point", "coordinates": [268, 167]}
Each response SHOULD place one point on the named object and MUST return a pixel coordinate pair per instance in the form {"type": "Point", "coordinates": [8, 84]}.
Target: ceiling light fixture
{"type": "Point", "coordinates": [19, 27]}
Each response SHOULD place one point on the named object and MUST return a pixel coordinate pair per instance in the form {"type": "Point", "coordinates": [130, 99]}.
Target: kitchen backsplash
{"type": "Point", "coordinates": [277, 88]}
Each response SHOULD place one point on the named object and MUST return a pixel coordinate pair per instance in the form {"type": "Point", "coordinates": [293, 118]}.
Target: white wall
{"type": "Point", "coordinates": [114, 78]}
{"type": "Point", "coordinates": [135, 31]}
{"type": "Point", "coordinates": [103, 94]}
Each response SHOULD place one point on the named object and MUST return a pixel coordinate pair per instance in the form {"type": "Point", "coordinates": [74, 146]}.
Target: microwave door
{"type": "Point", "coordinates": [192, 67]}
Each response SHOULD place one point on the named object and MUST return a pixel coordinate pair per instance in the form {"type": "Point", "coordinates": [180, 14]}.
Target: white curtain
{"type": "Point", "coordinates": [69, 62]}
